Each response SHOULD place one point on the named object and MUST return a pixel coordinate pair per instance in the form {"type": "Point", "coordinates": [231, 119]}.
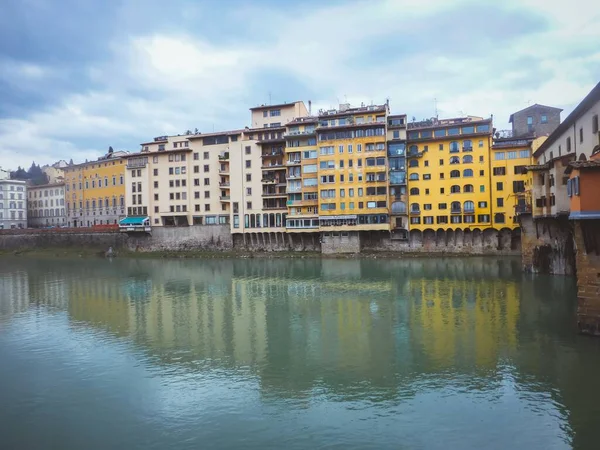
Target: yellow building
{"type": "Point", "coordinates": [95, 191]}
{"type": "Point", "coordinates": [449, 173]}
{"type": "Point", "coordinates": [352, 170]}
{"type": "Point", "coordinates": [301, 158]}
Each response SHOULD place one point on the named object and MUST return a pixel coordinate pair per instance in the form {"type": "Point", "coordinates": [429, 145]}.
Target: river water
{"type": "Point", "coordinates": [304, 353]}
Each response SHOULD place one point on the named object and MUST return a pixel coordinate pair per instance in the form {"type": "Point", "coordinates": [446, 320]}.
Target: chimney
{"type": "Point", "coordinates": [310, 107]}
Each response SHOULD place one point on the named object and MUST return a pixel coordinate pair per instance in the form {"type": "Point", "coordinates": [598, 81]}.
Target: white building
{"type": "Point", "coordinates": [46, 205]}
{"type": "Point", "coordinates": [13, 204]}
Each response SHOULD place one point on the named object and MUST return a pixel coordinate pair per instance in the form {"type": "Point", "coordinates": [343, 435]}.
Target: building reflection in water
{"type": "Point", "coordinates": [331, 327]}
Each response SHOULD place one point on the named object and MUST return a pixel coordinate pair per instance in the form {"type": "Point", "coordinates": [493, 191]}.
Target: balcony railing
{"type": "Point", "coordinates": [224, 184]}
{"type": "Point", "coordinates": [274, 167]}
{"type": "Point", "coordinates": [225, 198]}
{"type": "Point", "coordinates": [270, 153]}
{"type": "Point", "coordinates": [224, 157]}
{"type": "Point", "coordinates": [455, 211]}
{"type": "Point", "coordinates": [469, 210]}
{"type": "Point", "coordinates": [224, 170]}
{"type": "Point", "coordinates": [467, 149]}
{"type": "Point", "coordinates": [274, 194]}
{"type": "Point", "coordinates": [415, 211]}
{"type": "Point", "coordinates": [522, 209]}
{"type": "Point", "coordinates": [293, 162]}
{"type": "Point", "coordinates": [274, 207]}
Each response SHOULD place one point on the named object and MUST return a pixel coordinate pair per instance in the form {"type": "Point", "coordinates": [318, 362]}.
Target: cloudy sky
{"type": "Point", "coordinates": [79, 75]}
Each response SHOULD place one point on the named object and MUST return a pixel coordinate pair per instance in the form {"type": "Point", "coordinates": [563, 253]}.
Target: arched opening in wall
{"type": "Point", "coordinates": [515, 239]}
{"type": "Point", "coordinates": [271, 220]}
{"type": "Point", "coordinates": [449, 238]}
{"type": "Point", "coordinates": [440, 238]}
{"type": "Point", "coordinates": [582, 157]}
{"type": "Point", "coordinates": [468, 237]}
{"type": "Point", "coordinates": [459, 238]}
{"type": "Point", "coordinates": [504, 239]}
{"type": "Point", "coordinates": [428, 237]}
{"type": "Point", "coordinates": [490, 238]}
{"type": "Point", "coordinates": [477, 237]}
{"type": "Point", "coordinates": [416, 238]}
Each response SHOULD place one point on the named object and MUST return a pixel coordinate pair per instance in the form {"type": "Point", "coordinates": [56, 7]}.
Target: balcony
{"type": "Point", "coordinates": [224, 170]}
{"type": "Point", "coordinates": [273, 167]}
{"type": "Point", "coordinates": [455, 211]}
{"type": "Point", "coordinates": [469, 210]}
{"type": "Point", "coordinates": [224, 157]}
{"type": "Point", "coordinates": [467, 149]}
{"type": "Point", "coordinates": [454, 150]}
{"type": "Point", "coordinates": [271, 153]}
{"type": "Point", "coordinates": [295, 134]}
{"type": "Point", "coordinates": [268, 180]}
{"type": "Point", "coordinates": [224, 184]}
{"type": "Point", "coordinates": [294, 176]}
{"type": "Point", "coordinates": [224, 198]}
{"type": "Point", "coordinates": [274, 194]}
{"type": "Point", "coordinates": [523, 209]}
{"type": "Point", "coordinates": [415, 212]}
{"type": "Point", "coordinates": [294, 162]}
{"type": "Point", "coordinates": [276, 207]}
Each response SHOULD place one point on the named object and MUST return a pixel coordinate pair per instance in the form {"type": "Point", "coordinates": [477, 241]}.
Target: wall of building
{"type": "Point", "coordinates": [521, 126]}
{"type": "Point", "coordinates": [547, 245]}
{"type": "Point", "coordinates": [46, 205]}
{"type": "Point", "coordinates": [13, 204]}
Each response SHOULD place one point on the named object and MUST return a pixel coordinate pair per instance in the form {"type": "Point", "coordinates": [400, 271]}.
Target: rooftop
{"type": "Point", "coordinates": [535, 106]}
{"type": "Point", "coordinates": [280, 105]}
{"type": "Point", "coordinates": [345, 110]}
{"type": "Point", "coordinates": [434, 122]}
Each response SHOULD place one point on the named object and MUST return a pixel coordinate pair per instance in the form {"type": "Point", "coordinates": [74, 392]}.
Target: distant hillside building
{"type": "Point", "coordinates": [535, 120]}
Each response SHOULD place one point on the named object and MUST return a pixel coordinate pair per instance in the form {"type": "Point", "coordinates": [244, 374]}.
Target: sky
{"type": "Point", "coordinates": [78, 76]}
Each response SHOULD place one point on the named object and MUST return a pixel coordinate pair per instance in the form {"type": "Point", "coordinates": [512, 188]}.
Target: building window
{"type": "Point", "coordinates": [248, 205]}
{"type": "Point", "coordinates": [413, 163]}
{"type": "Point", "coordinates": [500, 202]}
{"type": "Point", "coordinates": [455, 174]}
{"type": "Point", "coordinates": [569, 144]}
{"type": "Point", "coordinates": [249, 191]}
{"type": "Point", "coordinates": [455, 189]}
{"type": "Point", "coordinates": [544, 118]}
{"type": "Point", "coordinates": [581, 134]}
{"type": "Point", "coordinates": [205, 155]}
{"type": "Point", "coordinates": [467, 173]}
{"type": "Point", "coordinates": [468, 188]}
{"type": "Point", "coordinates": [497, 171]}
{"type": "Point", "coordinates": [499, 218]}
{"type": "Point", "coordinates": [482, 188]}
{"type": "Point", "coordinates": [442, 206]}
{"type": "Point", "coordinates": [414, 191]}
{"type": "Point", "coordinates": [595, 124]}
{"type": "Point", "coordinates": [206, 181]}
{"type": "Point", "coordinates": [206, 168]}
{"type": "Point", "coordinates": [248, 163]}
{"type": "Point", "coordinates": [499, 186]}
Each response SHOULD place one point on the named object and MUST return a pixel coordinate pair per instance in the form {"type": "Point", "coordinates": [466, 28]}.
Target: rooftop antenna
{"type": "Point", "coordinates": [436, 108]}
{"type": "Point", "coordinates": [269, 97]}
{"type": "Point", "coordinates": [345, 98]}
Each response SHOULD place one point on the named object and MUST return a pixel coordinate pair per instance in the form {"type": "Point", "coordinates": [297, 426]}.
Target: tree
{"type": "Point", "coordinates": [110, 150]}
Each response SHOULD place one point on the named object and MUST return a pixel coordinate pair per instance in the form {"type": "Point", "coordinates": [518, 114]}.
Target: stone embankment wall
{"type": "Point", "coordinates": [547, 246]}
{"type": "Point", "coordinates": [181, 239]}
{"type": "Point", "coordinates": [18, 240]}
{"type": "Point", "coordinates": [587, 243]}
{"type": "Point", "coordinates": [218, 238]}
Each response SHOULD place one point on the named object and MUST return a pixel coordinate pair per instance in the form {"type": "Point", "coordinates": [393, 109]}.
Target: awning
{"type": "Point", "coordinates": [132, 221]}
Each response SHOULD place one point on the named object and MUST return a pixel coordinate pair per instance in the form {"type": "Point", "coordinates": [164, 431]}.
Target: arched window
{"type": "Point", "coordinates": [414, 191]}
{"type": "Point", "coordinates": [455, 174]}
{"type": "Point", "coordinates": [413, 150]}
{"type": "Point", "coordinates": [467, 173]}
{"type": "Point", "coordinates": [467, 145]}
{"type": "Point", "coordinates": [454, 148]}
{"type": "Point", "coordinates": [469, 206]}
{"type": "Point", "coordinates": [455, 207]}
{"type": "Point", "coordinates": [499, 218]}
{"type": "Point", "coordinates": [467, 159]}
{"type": "Point", "coordinates": [413, 163]}
{"type": "Point", "coordinates": [100, 203]}
{"type": "Point", "coordinates": [414, 207]}
{"type": "Point", "coordinates": [468, 188]}
{"type": "Point", "coordinates": [454, 160]}
{"type": "Point", "coordinates": [455, 189]}
{"type": "Point", "coordinates": [413, 176]}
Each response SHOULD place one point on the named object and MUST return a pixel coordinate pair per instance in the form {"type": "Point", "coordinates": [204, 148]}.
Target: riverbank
{"type": "Point", "coordinates": [240, 254]}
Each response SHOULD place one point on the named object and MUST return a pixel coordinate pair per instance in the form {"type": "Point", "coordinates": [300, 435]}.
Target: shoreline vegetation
{"type": "Point", "coordinates": [242, 254]}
